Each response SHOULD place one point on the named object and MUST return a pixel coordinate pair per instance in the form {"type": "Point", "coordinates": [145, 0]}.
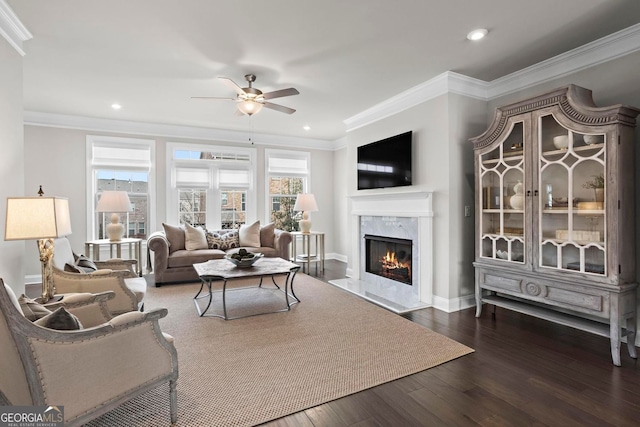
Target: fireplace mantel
{"type": "Point", "coordinates": [414, 203]}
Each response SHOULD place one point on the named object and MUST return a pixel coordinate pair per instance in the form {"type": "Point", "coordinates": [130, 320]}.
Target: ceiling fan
{"type": "Point", "coordinates": [251, 100]}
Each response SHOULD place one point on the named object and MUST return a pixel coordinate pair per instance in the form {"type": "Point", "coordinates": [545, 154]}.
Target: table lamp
{"type": "Point", "coordinates": [41, 219]}
{"type": "Point", "coordinates": [305, 203]}
{"type": "Point", "coordinates": [115, 202]}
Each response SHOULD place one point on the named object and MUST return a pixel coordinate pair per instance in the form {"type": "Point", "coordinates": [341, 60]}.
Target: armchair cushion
{"type": "Point", "coordinates": [61, 320]}
{"type": "Point", "coordinates": [31, 309]}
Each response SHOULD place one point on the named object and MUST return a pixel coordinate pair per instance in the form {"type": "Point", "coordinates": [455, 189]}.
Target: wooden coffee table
{"type": "Point", "coordinates": [223, 270]}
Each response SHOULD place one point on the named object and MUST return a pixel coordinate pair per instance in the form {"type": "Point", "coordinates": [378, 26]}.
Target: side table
{"type": "Point", "coordinates": [135, 250]}
{"type": "Point", "coordinates": [306, 258]}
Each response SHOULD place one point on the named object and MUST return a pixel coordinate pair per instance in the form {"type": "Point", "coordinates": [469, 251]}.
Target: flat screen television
{"type": "Point", "coordinates": [385, 163]}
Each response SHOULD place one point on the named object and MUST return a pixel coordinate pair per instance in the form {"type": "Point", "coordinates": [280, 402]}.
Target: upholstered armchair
{"type": "Point", "coordinates": [88, 371]}
{"type": "Point", "coordinates": [115, 275]}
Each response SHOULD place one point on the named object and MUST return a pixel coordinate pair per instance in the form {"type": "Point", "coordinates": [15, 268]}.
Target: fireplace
{"type": "Point", "coordinates": [389, 257]}
{"type": "Point", "coordinates": [402, 217]}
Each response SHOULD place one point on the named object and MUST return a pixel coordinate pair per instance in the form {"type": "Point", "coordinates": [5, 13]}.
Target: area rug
{"type": "Point", "coordinates": [252, 370]}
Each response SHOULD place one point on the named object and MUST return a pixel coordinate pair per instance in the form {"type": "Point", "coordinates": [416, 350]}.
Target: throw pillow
{"type": "Point", "coordinates": [85, 264]}
{"type": "Point", "coordinates": [268, 235]}
{"type": "Point", "coordinates": [71, 268]}
{"type": "Point", "coordinates": [250, 235]}
{"type": "Point", "coordinates": [31, 309]}
{"type": "Point", "coordinates": [175, 237]}
{"type": "Point", "coordinates": [194, 238]}
{"type": "Point", "coordinates": [60, 320]}
{"type": "Point", "coordinates": [223, 241]}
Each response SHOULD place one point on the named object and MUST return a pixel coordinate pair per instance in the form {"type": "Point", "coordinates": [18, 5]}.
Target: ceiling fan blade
{"type": "Point", "coordinates": [280, 93]}
{"type": "Point", "coordinates": [280, 108]}
{"type": "Point", "coordinates": [233, 85]}
{"type": "Point", "coordinates": [213, 97]}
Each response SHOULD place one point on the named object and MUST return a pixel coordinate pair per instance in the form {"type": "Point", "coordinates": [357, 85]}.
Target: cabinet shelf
{"type": "Point", "coordinates": [594, 147]}
{"type": "Point", "coordinates": [551, 315]}
{"type": "Point", "coordinates": [552, 211]}
{"type": "Point", "coordinates": [496, 211]}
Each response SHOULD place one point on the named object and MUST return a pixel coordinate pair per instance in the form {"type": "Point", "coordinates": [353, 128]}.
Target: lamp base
{"type": "Point", "coordinates": [305, 223]}
{"type": "Point", "coordinates": [115, 230]}
{"type": "Point", "coordinates": [45, 248]}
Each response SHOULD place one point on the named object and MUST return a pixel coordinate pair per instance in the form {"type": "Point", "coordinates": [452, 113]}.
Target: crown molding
{"type": "Point", "coordinates": [12, 29]}
{"type": "Point", "coordinates": [33, 118]}
{"type": "Point", "coordinates": [616, 45]}
{"type": "Point", "coordinates": [447, 82]}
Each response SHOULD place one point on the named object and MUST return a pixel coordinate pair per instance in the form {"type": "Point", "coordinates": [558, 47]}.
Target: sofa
{"type": "Point", "coordinates": [173, 251]}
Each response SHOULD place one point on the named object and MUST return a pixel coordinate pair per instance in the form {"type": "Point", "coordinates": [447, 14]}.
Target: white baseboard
{"type": "Point", "coordinates": [33, 279]}
{"type": "Point", "coordinates": [455, 304]}
{"type": "Point", "coordinates": [336, 256]}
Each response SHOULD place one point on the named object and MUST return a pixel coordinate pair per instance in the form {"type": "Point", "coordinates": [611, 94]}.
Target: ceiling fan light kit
{"type": "Point", "coordinates": [251, 100]}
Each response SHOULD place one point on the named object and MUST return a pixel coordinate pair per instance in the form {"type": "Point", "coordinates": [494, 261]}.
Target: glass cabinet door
{"type": "Point", "coordinates": [502, 178]}
{"type": "Point", "coordinates": [571, 207]}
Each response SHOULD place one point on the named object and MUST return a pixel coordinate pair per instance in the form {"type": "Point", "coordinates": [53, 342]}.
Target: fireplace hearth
{"type": "Point", "coordinates": [389, 257]}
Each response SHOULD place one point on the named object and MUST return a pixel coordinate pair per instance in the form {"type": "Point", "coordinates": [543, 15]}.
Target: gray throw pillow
{"type": "Point", "coordinates": [175, 237]}
{"type": "Point", "coordinates": [85, 264]}
{"type": "Point", "coordinates": [31, 309]}
{"type": "Point", "coordinates": [70, 268]}
{"type": "Point", "coordinates": [60, 320]}
{"type": "Point", "coordinates": [268, 235]}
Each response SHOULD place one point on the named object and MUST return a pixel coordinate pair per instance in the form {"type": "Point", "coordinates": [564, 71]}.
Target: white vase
{"type": "Point", "coordinates": [517, 200]}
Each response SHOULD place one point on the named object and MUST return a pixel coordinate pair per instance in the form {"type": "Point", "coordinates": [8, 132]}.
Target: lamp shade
{"type": "Point", "coordinates": [306, 203]}
{"type": "Point", "coordinates": [249, 107]}
{"type": "Point", "coordinates": [31, 218]}
{"type": "Point", "coordinates": [114, 201]}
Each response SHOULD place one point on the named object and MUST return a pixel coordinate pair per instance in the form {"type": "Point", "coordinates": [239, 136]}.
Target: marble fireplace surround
{"type": "Point", "coordinates": [401, 214]}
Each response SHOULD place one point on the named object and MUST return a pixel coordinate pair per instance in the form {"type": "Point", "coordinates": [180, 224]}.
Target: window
{"type": "Point", "coordinates": [287, 175]}
{"type": "Point", "coordinates": [192, 206]}
{"type": "Point", "coordinates": [209, 185]}
{"type": "Point", "coordinates": [122, 164]}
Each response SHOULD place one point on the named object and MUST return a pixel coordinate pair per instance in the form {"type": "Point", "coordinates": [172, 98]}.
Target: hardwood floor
{"type": "Point", "coordinates": [524, 371]}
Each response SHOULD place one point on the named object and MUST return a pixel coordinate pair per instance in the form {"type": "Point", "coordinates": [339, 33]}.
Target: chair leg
{"type": "Point", "coordinates": [173, 401]}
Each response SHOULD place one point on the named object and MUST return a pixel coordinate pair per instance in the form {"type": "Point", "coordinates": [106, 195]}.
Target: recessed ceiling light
{"type": "Point", "coordinates": [477, 34]}
{"type": "Point", "coordinates": [306, 127]}
{"type": "Point", "coordinates": [116, 106]}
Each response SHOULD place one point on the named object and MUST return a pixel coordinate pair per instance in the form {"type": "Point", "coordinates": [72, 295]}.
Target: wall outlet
{"type": "Point", "coordinates": [467, 211]}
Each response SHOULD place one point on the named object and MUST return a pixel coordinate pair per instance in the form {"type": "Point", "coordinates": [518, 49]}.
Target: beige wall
{"type": "Point", "coordinates": [443, 163]}
{"type": "Point", "coordinates": [11, 163]}
{"type": "Point", "coordinates": [56, 159]}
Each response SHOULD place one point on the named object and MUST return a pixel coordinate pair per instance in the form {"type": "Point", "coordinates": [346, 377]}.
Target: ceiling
{"type": "Point", "coordinates": [344, 56]}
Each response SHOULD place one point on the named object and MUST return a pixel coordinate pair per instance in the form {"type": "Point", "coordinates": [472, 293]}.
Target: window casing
{"type": "Point", "coordinates": [287, 175]}
{"type": "Point", "coordinates": [124, 164]}
{"type": "Point", "coordinates": [217, 181]}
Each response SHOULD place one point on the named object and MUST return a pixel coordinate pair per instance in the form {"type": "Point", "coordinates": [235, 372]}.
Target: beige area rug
{"type": "Point", "coordinates": [248, 371]}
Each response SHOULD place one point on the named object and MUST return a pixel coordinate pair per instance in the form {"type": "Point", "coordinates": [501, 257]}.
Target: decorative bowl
{"type": "Point", "coordinates": [561, 141]}
{"type": "Point", "coordinates": [244, 262]}
{"type": "Point", "coordinates": [502, 254]}
{"type": "Point", "coordinates": [592, 139]}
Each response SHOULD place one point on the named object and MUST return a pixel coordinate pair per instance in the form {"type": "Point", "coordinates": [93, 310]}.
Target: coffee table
{"type": "Point", "coordinates": [223, 270]}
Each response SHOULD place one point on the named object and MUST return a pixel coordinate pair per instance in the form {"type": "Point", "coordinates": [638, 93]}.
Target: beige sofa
{"type": "Point", "coordinates": [174, 252]}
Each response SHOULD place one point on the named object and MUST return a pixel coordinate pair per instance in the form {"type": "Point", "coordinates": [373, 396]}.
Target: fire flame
{"type": "Point", "coordinates": [390, 262]}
